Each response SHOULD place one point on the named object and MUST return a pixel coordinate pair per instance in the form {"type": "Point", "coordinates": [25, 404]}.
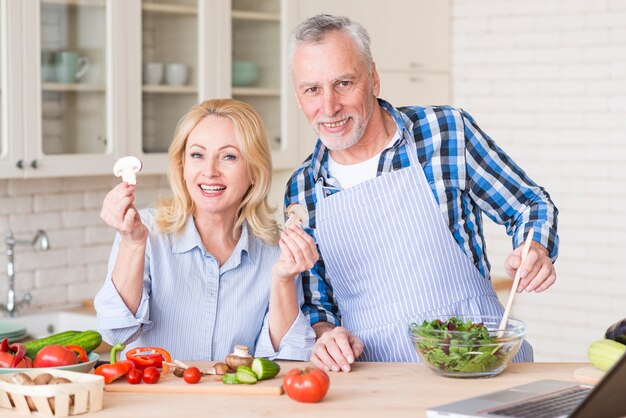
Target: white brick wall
{"type": "Point", "coordinates": [68, 209]}
{"type": "Point", "coordinates": [547, 80]}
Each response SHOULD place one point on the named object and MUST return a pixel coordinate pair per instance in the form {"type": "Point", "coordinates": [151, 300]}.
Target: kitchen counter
{"type": "Point", "coordinates": [370, 390]}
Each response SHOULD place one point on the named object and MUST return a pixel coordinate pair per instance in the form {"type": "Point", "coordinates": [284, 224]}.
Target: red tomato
{"type": "Point", "coordinates": [151, 375]}
{"type": "Point", "coordinates": [134, 376]}
{"type": "Point", "coordinates": [192, 375]}
{"type": "Point", "coordinates": [306, 385]}
{"type": "Point", "coordinates": [6, 359]}
{"type": "Point", "coordinates": [55, 355]}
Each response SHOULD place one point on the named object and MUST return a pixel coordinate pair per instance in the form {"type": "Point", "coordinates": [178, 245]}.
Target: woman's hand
{"type": "Point", "coordinates": [119, 212]}
{"type": "Point", "coordinates": [298, 253]}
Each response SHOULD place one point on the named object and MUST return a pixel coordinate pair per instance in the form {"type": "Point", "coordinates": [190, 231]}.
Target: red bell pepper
{"type": "Point", "coordinates": [81, 354]}
{"type": "Point", "coordinates": [114, 369]}
{"type": "Point", "coordinates": [143, 357]}
{"type": "Point", "coordinates": [17, 350]}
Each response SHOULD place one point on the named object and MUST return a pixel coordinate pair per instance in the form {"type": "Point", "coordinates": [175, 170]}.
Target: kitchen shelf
{"type": "Point", "coordinates": [255, 16]}
{"type": "Point", "coordinates": [73, 87]}
{"type": "Point", "coordinates": [157, 88]}
{"type": "Point", "coordinates": [93, 3]}
{"type": "Point", "coordinates": [255, 91]}
{"type": "Point", "coordinates": [169, 8]}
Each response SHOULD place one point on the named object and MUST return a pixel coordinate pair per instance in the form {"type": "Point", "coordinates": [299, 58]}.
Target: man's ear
{"type": "Point", "coordinates": [375, 81]}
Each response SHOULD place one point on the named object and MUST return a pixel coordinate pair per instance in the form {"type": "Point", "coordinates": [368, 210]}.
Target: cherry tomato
{"type": "Point", "coordinates": [306, 385]}
{"type": "Point", "coordinates": [192, 375]}
{"type": "Point", "coordinates": [55, 355]}
{"type": "Point", "coordinates": [151, 375]}
{"type": "Point", "coordinates": [134, 376]}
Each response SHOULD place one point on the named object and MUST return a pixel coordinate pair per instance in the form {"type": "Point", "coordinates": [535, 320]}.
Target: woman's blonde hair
{"type": "Point", "coordinates": [172, 214]}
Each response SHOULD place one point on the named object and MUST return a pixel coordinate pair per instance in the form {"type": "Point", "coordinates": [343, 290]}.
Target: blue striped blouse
{"type": "Point", "coordinates": [195, 308]}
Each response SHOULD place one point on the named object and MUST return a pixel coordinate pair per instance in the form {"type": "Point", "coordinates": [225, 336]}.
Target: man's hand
{"type": "Point", "coordinates": [538, 272]}
{"type": "Point", "coordinates": [336, 348]}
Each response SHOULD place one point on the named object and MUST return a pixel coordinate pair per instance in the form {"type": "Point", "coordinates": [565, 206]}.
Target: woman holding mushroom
{"type": "Point", "coordinates": [208, 268]}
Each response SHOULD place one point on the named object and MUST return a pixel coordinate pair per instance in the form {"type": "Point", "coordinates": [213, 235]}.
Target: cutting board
{"type": "Point", "coordinates": [588, 375]}
{"type": "Point", "coordinates": [208, 384]}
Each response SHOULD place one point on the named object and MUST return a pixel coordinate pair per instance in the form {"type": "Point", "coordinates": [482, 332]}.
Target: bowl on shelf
{"type": "Point", "coordinates": [85, 367]}
{"type": "Point", "coordinates": [245, 73]}
{"type": "Point", "coordinates": [466, 346]}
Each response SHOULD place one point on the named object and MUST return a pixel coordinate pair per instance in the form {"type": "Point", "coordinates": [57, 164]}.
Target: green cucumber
{"type": "Point", "coordinates": [34, 346]}
{"type": "Point", "coordinates": [230, 379]}
{"type": "Point", "coordinates": [264, 368]}
{"type": "Point", "coordinates": [246, 375]}
{"type": "Point", "coordinates": [604, 353]}
{"type": "Point", "coordinates": [89, 340]}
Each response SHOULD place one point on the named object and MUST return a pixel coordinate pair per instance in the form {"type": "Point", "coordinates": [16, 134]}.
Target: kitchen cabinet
{"type": "Point", "coordinates": [410, 43]}
{"type": "Point", "coordinates": [146, 62]}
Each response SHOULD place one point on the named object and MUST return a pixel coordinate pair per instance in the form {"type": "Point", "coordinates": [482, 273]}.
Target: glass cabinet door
{"type": "Point", "coordinates": [256, 60]}
{"type": "Point", "coordinates": [73, 77]}
{"type": "Point", "coordinates": [169, 68]}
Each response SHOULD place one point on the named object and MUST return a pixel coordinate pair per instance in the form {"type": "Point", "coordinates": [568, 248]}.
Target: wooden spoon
{"type": "Point", "coordinates": [518, 274]}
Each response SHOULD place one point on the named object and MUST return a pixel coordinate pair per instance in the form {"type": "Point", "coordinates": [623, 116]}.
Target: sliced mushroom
{"type": "Point", "coordinates": [128, 167]}
{"type": "Point", "coordinates": [296, 215]}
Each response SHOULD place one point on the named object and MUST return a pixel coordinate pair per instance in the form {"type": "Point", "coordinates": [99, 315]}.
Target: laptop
{"type": "Point", "coordinates": [547, 398]}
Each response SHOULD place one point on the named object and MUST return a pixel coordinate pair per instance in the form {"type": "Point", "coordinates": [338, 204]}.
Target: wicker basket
{"type": "Point", "coordinates": [83, 395]}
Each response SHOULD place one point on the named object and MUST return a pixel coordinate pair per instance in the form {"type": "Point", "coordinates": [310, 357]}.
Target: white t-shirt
{"type": "Point", "coordinates": [350, 175]}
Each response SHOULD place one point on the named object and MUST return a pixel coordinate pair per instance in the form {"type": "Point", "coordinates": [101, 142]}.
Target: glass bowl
{"type": "Point", "coordinates": [80, 367]}
{"type": "Point", "coordinates": [466, 346]}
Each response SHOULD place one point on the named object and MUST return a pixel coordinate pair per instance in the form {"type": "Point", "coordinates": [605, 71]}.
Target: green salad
{"type": "Point", "coordinates": [458, 346]}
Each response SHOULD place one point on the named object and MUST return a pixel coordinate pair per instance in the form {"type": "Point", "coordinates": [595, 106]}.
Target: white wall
{"type": "Point", "coordinates": [547, 80]}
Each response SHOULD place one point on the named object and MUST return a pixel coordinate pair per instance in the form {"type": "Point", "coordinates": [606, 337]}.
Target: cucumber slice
{"type": "Point", "coordinates": [246, 375]}
{"type": "Point", "coordinates": [230, 379]}
{"type": "Point", "coordinates": [264, 368]}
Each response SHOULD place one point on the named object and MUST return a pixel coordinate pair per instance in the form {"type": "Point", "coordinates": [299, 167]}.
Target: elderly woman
{"type": "Point", "coordinates": [208, 268]}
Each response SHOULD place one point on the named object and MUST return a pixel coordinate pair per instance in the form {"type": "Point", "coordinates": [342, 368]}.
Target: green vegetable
{"type": "Point", "coordinates": [605, 353]}
{"type": "Point", "coordinates": [246, 375]}
{"type": "Point", "coordinates": [264, 368]}
{"type": "Point", "coordinates": [459, 346]}
{"type": "Point", "coordinates": [89, 340]}
{"type": "Point", "coordinates": [33, 347]}
{"type": "Point", "coordinates": [230, 379]}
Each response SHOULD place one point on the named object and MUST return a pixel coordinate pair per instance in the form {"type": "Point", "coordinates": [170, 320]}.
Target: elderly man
{"type": "Point", "coordinates": [395, 199]}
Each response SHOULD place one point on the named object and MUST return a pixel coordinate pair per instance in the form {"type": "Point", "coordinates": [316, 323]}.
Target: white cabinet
{"type": "Point", "coordinates": [410, 42]}
{"type": "Point", "coordinates": [146, 62]}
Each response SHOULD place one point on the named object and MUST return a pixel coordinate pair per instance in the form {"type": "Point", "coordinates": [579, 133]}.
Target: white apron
{"type": "Point", "coordinates": [390, 259]}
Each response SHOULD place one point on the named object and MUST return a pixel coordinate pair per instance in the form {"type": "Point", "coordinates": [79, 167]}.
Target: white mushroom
{"type": "Point", "coordinates": [296, 215]}
{"type": "Point", "coordinates": [128, 167]}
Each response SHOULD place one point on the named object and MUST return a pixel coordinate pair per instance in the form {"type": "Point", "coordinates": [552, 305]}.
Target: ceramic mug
{"type": "Point", "coordinates": [176, 74]}
{"type": "Point", "coordinates": [70, 66]}
{"type": "Point", "coordinates": [152, 73]}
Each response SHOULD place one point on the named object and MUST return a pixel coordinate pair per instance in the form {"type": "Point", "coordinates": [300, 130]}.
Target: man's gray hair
{"type": "Point", "coordinates": [315, 29]}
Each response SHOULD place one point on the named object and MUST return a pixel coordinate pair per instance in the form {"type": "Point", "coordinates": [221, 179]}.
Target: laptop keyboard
{"type": "Point", "coordinates": [554, 405]}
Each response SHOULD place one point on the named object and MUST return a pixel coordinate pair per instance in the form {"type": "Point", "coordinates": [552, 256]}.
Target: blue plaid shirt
{"type": "Point", "coordinates": [468, 174]}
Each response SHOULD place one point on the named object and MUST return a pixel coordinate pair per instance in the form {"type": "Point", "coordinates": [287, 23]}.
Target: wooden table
{"type": "Point", "coordinates": [370, 390]}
